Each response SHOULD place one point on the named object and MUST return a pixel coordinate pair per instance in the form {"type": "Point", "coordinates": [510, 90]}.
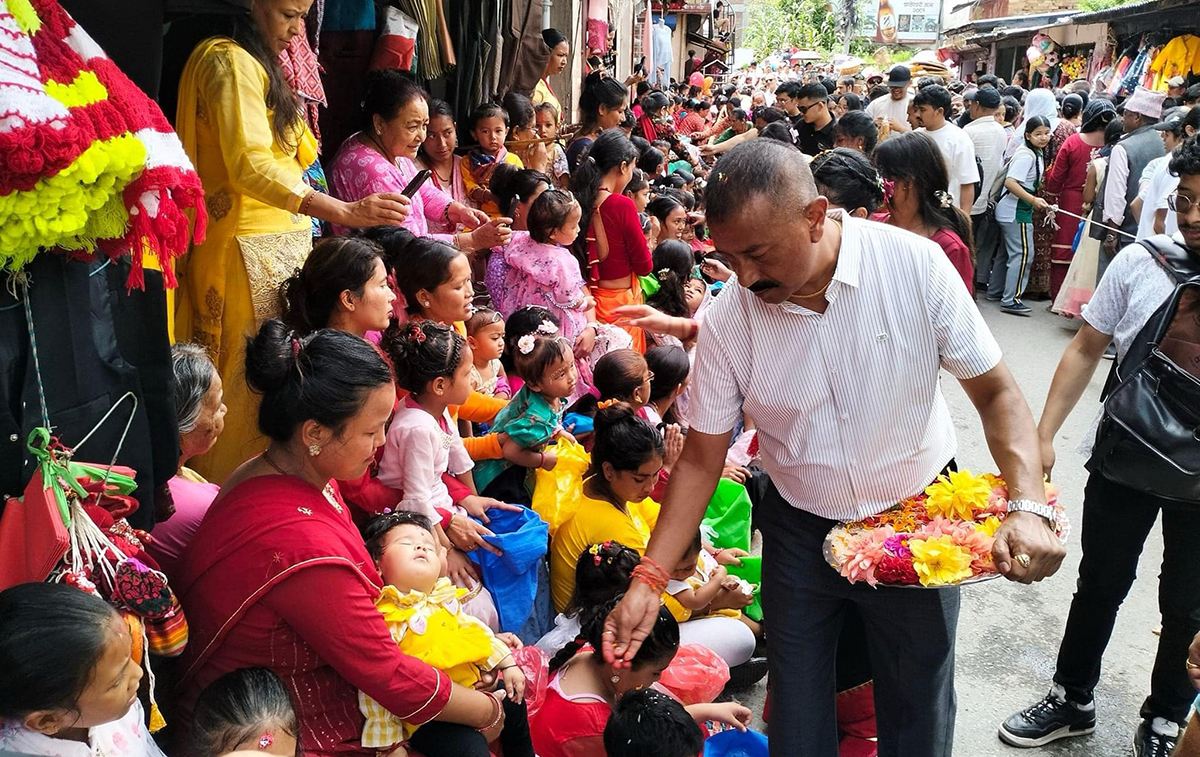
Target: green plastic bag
{"type": "Point", "coordinates": [649, 284]}
{"type": "Point", "coordinates": [726, 523]}
{"type": "Point", "coordinates": [750, 571]}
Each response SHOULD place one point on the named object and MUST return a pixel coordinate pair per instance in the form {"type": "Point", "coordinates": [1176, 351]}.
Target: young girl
{"type": "Point", "coordinates": [584, 689]}
{"type": "Point", "coordinates": [247, 709]}
{"type": "Point", "coordinates": [1014, 212]}
{"type": "Point", "coordinates": [489, 126]}
{"type": "Point", "coordinates": [669, 368]}
{"type": "Point", "coordinates": [343, 285]}
{"type": "Point", "coordinates": [68, 683]}
{"type": "Point", "coordinates": [533, 417]}
{"type": "Point", "coordinates": [485, 337]}
{"type": "Point", "coordinates": [546, 122]}
{"type": "Point", "coordinates": [673, 266]}
{"type": "Point", "coordinates": [847, 179]}
{"type": "Point", "coordinates": [522, 132]}
{"type": "Point", "coordinates": [701, 587]}
{"type": "Point", "coordinates": [648, 723]}
{"type": "Point", "coordinates": [541, 270]}
{"type": "Point", "coordinates": [920, 201]}
{"type": "Point", "coordinates": [425, 615]}
{"type": "Point", "coordinates": [694, 292]}
{"type": "Point", "coordinates": [433, 364]}
{"type": "Point", "coordinates": [601, 573]}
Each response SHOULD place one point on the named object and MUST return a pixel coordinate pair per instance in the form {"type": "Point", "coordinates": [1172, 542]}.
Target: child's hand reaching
{"type": "Point", "coordinates": [549, 460]}
{"type": "Point", "coordinates": [477, 506]}
{"type": "Point", "coordinates": [514, 680]}
{"type": "Point", "coordinates": [510, 640]}
{"type": "Point", "coordinates": [562, 433]}
{"type": "Point", "coordinates": [729, 713]}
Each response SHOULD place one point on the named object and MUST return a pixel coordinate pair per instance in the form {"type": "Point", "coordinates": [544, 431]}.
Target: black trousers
{"type": "Point", "coordinates": [910, 636]}
{"type": "Point", "coordinates": [1116, 522]}
{"type": "Point", "coordinates": [436, 739]}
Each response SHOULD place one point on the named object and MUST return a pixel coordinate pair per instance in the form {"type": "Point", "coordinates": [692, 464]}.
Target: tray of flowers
{"type": "Point", "coordinates": [942, 537]}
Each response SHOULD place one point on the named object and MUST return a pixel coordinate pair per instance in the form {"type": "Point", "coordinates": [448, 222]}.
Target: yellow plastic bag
{"type": "Point", "coordinates": [556, 492]}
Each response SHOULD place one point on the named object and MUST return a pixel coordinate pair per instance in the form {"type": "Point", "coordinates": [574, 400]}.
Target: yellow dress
{"type": "Point", "coordinates": [253, 188]}
{"type": "Point", "coordinates": [596, 521]}
{"type": "Point", "coordinates": [491, 208]}
{"type": "Point", "coordinates": [433, 628]}
{"type": "Point", "coordinates": [542, 94]}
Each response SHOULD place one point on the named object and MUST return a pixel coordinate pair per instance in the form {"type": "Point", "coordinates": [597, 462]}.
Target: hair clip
{"type": "Point", "coordinates": [525, 344]}
{"type": "Point", "coordinates": [265, 741]}
{"type": "Point", "coordinates": [663, 272]}
{"type": "Point", "coordinates": [417, 332]}
{"type": "Point", "coordinates": [943, 197]}
{"type": "Point", "coordinates": [602, 404]}
{"type": "Point", "coordinates": [888, 187]}
{"type": "Point", "coordinates": [547, 327]}
{"type": "Point", "coordinates": [295, 348]}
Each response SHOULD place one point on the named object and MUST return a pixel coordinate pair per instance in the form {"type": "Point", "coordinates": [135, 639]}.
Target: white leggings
{"type": "Point", "coordinates": [729, 638]}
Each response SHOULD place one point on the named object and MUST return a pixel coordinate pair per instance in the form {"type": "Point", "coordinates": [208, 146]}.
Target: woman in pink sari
{"type": "Point", "coordinates": [437, 154]}
{"type": "Point", "coordinates": [381, 155]}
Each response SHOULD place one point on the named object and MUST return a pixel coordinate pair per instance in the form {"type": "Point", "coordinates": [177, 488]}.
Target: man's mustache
{"type": "Point", "coordinates": [763, 285]}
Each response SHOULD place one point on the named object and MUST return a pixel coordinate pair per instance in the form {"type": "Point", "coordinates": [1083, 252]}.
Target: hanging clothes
{"type": "Point", "coordinates": [303, 75]}
{"type": "Point", "coordinates": [660, 69]}
{"type": "Point", "coordinates": [525, 52]}
{"type": "Point", "coordinates": [1180, 57]}
{"type": "Point", "coordinates": [597, 26]}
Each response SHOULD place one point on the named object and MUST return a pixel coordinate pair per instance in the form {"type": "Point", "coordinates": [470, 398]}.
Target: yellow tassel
{"type": "Point", "coordinates": [157, 722]}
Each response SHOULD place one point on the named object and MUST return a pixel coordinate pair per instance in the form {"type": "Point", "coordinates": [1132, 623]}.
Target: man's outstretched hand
{"type": "Point", "coordinates": [629, 624]}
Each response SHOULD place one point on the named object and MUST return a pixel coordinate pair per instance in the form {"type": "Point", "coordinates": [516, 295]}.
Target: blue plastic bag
{"type": "Point", "coordinates": [736, 743]}
{"type": "Point", "coordinates": [512, 577]}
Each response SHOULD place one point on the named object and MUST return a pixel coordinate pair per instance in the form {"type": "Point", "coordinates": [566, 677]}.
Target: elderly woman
{"type": "Point", "coordinates": [242, 129]}
{"type": "Point", "coordinates": [201, 415]}
{"type": "Point", "coordinates": [277, 575]}
{"type": "Point", "coordinates": [380, 159]}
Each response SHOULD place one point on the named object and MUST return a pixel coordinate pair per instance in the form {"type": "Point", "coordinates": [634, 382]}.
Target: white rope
{"type": "Point", "coordinates": [1053, 209]}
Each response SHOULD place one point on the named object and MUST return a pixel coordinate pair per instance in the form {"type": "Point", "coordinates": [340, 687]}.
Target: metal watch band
{"type": "Point", "coordinates": [1029, 506]}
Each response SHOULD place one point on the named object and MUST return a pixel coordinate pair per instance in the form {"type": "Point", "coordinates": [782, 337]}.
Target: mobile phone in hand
{"type": "Point", "coordinates": [417, 181]}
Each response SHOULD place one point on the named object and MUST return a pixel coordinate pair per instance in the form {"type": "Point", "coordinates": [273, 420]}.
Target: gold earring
{"type": "Point", "coordinates": [314, 450]}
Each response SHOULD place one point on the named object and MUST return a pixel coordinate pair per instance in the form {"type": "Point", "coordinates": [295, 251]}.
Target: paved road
{"type": "Point", "coordinates": [1008, 634]}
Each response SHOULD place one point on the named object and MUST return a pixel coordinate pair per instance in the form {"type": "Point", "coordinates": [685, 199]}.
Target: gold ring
{"type": "Point", "coordinates": [608, 633]}
{"type": "Point", "coordinates": [1191, 665]}
{"type": "Point", "coordinates": [1023, 559]}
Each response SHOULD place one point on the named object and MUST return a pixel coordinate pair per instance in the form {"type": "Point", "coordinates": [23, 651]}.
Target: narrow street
{"type": "Point", "coordinates": [1008, 634]}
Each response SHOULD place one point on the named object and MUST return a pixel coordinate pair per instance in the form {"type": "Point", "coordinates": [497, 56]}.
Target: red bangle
{"type": "Point", "coordinates": [693, 330]}
{"type": "Point", "coordinates": [644, 574]}
{"type": "Point", "coordinates": [495, 720]}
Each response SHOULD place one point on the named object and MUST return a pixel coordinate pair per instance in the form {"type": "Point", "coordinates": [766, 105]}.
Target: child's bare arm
{"type": "Point", "coordinates": [526, 458]}
{"type": "Point", "coordinates": [698, 599]}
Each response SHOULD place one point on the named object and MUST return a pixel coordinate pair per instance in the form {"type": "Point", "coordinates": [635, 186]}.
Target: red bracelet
{"type": "Point", "coordinates": [657, 568]}
{"type": "Point", "coordinates": [644, 574]}
{"type": "Point", "coordinates": [693, 330]}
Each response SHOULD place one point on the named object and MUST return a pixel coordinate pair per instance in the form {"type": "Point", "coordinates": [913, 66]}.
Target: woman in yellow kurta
{"type": "Point", "coordinates": [616, 504]}
{"type": "Point", "coordinates": [240, 126]}
{"type": "Point", "coordinates": [560, 51]}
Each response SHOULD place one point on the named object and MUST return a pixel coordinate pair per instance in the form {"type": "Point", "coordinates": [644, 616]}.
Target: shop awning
{"type": "Point", "coordinates": [715, 45]}
{"type": "Point", "coordinates": [1017, 24]}
{"type": "Point", "coordinates": [1123, 12]}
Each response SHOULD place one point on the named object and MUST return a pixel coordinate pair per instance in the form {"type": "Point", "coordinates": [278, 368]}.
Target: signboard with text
{"type": "Point", "coordinates": [898, 21]}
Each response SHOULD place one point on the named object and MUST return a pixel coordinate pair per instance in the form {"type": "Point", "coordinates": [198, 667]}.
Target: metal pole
{"type": "Point", "coordinates": [546, 5]}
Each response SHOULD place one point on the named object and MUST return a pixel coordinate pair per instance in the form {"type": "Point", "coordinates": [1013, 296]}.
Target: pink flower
{"type": "Point", "coordinates": [865, 553]}
{"type": "Point", "coordinates": [898, 545]}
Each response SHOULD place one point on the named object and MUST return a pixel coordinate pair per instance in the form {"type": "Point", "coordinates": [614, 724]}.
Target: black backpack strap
{"type": "Point", "coordinates": [1173, 257]}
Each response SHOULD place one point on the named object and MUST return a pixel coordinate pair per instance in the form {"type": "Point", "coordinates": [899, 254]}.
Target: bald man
{"type": "Point", "coordinates": [851, 421]}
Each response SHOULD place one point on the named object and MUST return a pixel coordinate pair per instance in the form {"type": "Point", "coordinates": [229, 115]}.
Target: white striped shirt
{"type": "Point", "coordinates": [847, 403]}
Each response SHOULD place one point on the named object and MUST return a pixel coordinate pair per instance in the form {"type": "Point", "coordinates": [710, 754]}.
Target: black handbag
{"type": "Point", "coordinates": [1149, 436]}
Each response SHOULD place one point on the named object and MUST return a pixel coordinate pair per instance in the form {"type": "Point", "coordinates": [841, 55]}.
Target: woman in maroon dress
{"type": "Point", "coordinates": [1064, 185]}
{"type": "Point", "coordinates": [278, 577]}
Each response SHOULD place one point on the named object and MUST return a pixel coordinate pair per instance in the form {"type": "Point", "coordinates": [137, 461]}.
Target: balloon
{"type": "Point", "coordinates": [708, 82]}
{"type": "Point", "coordinates": [1032, 54]}
{"type": "Point", "coordinates": [1051, 59]}
{"type": "Point", "coordinates": [696, 79]}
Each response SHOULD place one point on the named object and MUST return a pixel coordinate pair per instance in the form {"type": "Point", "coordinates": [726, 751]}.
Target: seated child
{"type": "Point", "coordinates": [527, 320]}
{"type": "Point", "coordinates": [547, 128]}
{"type": "Point", "coordinates": [601, 573]}
{"type": "Point", "coordinates": [700, 587]}
{"type": "Point", "coordinates": [247, 709]}
{"type": "Point", "coordinates": [485, 336]}
{"type": "Point", "coordinates": [648, 723]}
{"type": "Point", "coordinates": [533, 417]}
{"type": "Point", "coordinates": [425, 615]}
{"type": "Point", "coordinates": [67, 686]}
{"type": "Point", "coordinates": [489, 126]}
{"type": "Point", "coordinates": [584, 689]}
{"type": "Point", "coordinates": [670, 367]}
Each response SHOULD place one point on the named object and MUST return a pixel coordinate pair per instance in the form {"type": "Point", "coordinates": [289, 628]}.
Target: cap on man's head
{"type": "Point", "coordinates": [1146, 102]}
{"type": "Point", "coordinates": [987, 97]}
{"type": "Point", "coordinates": [899, 76]}
{"type": "Point", "coordinates": [1176, 82]}
{"type": "Point", "coordinates": [1172, 121]}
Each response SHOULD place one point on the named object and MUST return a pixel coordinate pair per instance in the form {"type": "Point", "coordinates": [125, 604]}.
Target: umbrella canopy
{"type": "Point", "coordinates": [806, 55]}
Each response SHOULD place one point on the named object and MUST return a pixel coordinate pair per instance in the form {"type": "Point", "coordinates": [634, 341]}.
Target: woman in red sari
{"type": "Point", "coordinates": [278, 577]}
{"type": "Point", "coordinates": [1064, 185]}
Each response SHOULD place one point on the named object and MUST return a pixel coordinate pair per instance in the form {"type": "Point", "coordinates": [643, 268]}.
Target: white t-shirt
{"type": "Point", "coordinates": [888, 108]}
{"type": "Point", "coordinates": [1157, 182]}
{"type": "Point", "coordinates": [959, 152]}
{"type": "Point", "coordinates": [1023, 168]}
{"type": "Point", "coordinates": [989, 139]}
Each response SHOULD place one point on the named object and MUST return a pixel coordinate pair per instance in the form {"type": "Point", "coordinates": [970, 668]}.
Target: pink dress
{"type": "Point", "coordinates": [418, 450]}
{"type": "Point", "coordinates": [359, 171]}
{"type": "Point", "coordinates": [546, 275]}
{"type": "Point", "coordinates": [192, 496]}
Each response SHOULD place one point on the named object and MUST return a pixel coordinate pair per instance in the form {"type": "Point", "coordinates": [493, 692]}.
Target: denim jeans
{"type": "Point", "coordinates": [1116, 522]}
{"type": "Point", "coordinates": [1018, 242]}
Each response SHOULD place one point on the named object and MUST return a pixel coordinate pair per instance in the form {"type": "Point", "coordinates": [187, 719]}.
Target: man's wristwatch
{"type": "Point", "coordinates": [1037, 508]}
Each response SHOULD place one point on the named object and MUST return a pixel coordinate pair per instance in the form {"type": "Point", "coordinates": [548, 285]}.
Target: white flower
{"type": "Point", "coordinates": [548, 328]}
{"type": "Point", "coordinates": [525, 344]}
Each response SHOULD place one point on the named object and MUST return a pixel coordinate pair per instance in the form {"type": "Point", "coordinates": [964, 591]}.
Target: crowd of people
{"type": "Point", "coordinates": [369, 406]}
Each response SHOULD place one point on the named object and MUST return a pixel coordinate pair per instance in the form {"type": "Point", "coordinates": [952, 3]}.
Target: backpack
{"type": "Point", "coordinates": [1149, 435]}
{"type": "Point", "coordinates": [997, 191]}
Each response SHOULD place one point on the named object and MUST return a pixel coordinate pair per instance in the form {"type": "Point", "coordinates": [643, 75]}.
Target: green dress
{"type": "Point", "coordinates": [529, 420]}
